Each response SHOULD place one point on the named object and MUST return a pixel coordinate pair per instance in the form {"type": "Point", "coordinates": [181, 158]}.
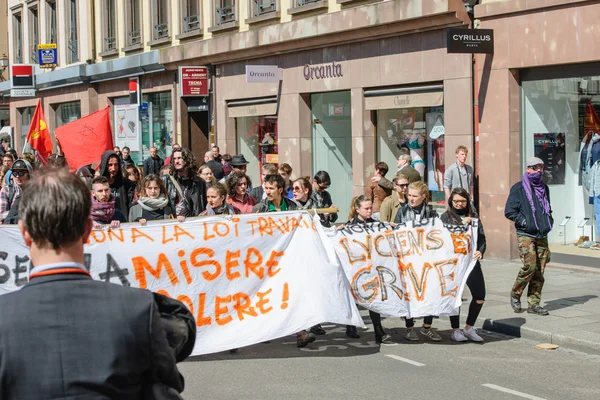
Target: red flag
{"type": "Point", "coordinates": [591, 122]}
{"type": "Point", "coordinates": [83, 141]}
{"type": "Point", "coordinates": [39, 135]}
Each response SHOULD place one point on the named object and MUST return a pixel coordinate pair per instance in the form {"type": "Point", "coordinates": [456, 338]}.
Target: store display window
{"type": "Point", "coordinates": [257, 141]}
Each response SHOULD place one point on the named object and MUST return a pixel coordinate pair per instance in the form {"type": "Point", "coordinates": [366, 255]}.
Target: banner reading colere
{"type": "Point", "coordinates": [257, 277]}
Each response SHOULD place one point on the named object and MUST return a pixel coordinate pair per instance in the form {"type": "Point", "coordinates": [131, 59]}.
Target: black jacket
{"type": "Point", "coordinates": [257, 192]}
{"type": "Point", "coordinates": [406, 214]}
{"type": "Point", "coordinates": [216, 168]}
{"type": "Point", "coordinates": [263, 205]}
{"type": "Point", "coordinates": [123, 190]}
{"type": "Point", "coordinates": [113, 344]}
{"type": "Point", "coordinates": [323, 200]}
{"type": "Point", "coordinates": [519, 211]}
{"type": "Point", "coordinates": [153, 165]}
{"type": "Point", "coordinates": [481, 242]}
{"type": "Point", "coordinates": [196, 195]}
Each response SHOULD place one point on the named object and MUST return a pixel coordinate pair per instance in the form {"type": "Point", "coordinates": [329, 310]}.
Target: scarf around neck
{"type": "Point", "coordinates": [149, 204]}
{"type": "Point", "coordinates": [103, 211]}
{"type": "Point", "coordinates": [217, 210]}
{"type": "Point", "coordinates": [539, 187]}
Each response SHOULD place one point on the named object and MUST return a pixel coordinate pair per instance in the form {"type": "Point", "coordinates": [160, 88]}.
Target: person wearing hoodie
{"type": "Point", "coordinates": [153, 203]}
{"type": "Point", "coordinates": [122, 189]}
{"type": "Point", "coordinates": [104, 209]}
{"type": "Point", "coordinates": [9, 195]}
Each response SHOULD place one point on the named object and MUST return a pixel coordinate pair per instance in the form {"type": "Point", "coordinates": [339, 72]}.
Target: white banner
{"type": "Point", "coordinates": [410, 270]}
{"type": "Point", "coordinates": [246, 279]}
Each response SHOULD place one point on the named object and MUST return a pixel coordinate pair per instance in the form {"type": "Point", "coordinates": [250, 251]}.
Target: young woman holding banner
{"type": "Point", "coordinates": [215, 197]}
{"type": "Point", "coordinates": [417, 209]}
{"type": "Point", "coordinates": [153, 203]}
{"type": "Point", "coordinates": [361, 212]}
{"type": "Point", "coordinates": [460, 212]}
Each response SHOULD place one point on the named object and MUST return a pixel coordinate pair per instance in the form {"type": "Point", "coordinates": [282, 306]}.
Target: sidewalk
{"type": "Point", "coordinates": [570, 294]}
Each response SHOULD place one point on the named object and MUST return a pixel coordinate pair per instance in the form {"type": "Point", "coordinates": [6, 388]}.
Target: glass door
{"type": "Point", "coordinates": [332, 145]}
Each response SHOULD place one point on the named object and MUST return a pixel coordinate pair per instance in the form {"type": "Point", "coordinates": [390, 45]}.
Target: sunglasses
{"type": "Point", "coordinates": [297, 189]}
{"type": "Point", "coordinates": [402, 186]}
{"type": "Point", "coordinates": [537, 167]}
{"type": "Point", "coordinates": [19, 174]}
{"type": "Point", "coordinates": [459, 201]}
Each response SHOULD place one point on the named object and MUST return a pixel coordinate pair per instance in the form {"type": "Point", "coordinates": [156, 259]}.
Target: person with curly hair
{"type": "Point", "coordinates": [237, 186]}
{"type": "Point", "coordinates": [185, 189]}
{"type": "Point", "coordinates": [215, 197]}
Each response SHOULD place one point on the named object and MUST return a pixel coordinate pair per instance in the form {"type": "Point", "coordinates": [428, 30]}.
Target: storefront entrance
{"type": "Point", "coordinates": [332, 145]}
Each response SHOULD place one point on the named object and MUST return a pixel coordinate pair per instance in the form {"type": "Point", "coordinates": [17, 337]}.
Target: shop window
{"type": "Point", "coordinates": [17, 38]}
{"type": "Point", "coordinates": [25, 116]}
{"type": "Point", "coordinates": [34, 34]}
{"type": "Point", "coordinates": [72, 32]}
{"type": "Point", "coordinates": [257, 140]}
{"type": "Point", "coordinates": [109, 27]}
{"type": "Point", "coordinates": [51, 32]}
{"type": "Point", "coordinates": [157, 123]}
{"type": "Point", "coordinates": [191, 17]}
{"type": "Point", "coordinates": [66, 112]}
{"type": "Point", "coordinates": [160, 14]}
{"type": "Point", "coordinates": [559, 127]}
{"type": "Point", "coordinates": [420, 133]}
{"type": "Point", "coordinates": [133, 13]}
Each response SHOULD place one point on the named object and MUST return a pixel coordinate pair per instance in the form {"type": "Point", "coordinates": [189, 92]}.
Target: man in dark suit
{"type": "Point", "coordinates": [404, 168]}
{"type": "Point", "coordinates": [64, 335]}
{"type": "Point", "coordinates": [153, 163]}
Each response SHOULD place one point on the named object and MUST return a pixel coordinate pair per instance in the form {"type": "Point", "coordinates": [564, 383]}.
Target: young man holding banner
{"type": "Point", "coordinates": [64, 335]}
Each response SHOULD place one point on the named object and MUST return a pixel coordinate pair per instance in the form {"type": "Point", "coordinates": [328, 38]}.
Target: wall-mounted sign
{"type": "Point", "coordinates": [272, 158]}
{"type": "Point", "coordinates": [134, 90]}
{"type": "Point", "coordinates": [470, 41]}
{"type": "Point", "coordinates": [22, 76]}
{"type": "Point", "coordinates": [193, 81]}
{"type": "Point", "coordinates": [22, 92]}
{"type": "Point", "coordinates": [47, 55]}
{"type": "Point", "coordinates": [262, 73]}
{"type": "Point", "coordinates": [333, 70]}
{"type": "Point", "coordinates": [127, 126]}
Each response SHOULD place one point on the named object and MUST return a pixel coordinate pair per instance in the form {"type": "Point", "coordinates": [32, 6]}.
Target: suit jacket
{"type": "Point", "coordinates": [411, 173]}
{"type": "Point", "coordinates": [70, 337]}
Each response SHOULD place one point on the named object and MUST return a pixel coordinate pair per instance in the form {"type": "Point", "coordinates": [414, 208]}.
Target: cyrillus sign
{"type": "Point", "coordinates": [470, 41]}
{"type": "Point", "coordinates": [332, 70]}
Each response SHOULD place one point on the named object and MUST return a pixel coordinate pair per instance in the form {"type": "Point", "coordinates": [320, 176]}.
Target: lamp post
{"type": "Point", "coordinates": [3, 65]}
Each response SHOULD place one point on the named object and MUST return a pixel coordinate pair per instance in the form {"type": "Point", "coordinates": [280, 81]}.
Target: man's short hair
{"type": "Point", "coordinates": [405, 157]}
{"type": "Point", "coordinates": [270, 168]}
{"type": "Point", "coordinates": [216, 147]}
{"type": "Point", "coordinates": [382, 167]}
{"type": "Point", "coordinates": [55, 208]}
{"type": "Point", "coordinates": [277, 179]}
{"type": "Point", "coordinates": [285, 167]}
{"type": "Point", "coordinates": [125, 148]}
{"type": "Point", "coordinates": [323, 178]}
{"type": "Point", "coordinates": [461, 148]}
{"type": "Point", "coordinates": [9, 156]}
{"type": "Point", "coordinates": [100, 180]}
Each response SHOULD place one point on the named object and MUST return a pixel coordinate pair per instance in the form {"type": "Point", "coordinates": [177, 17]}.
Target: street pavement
{"type": "Point", "coordinates": [503, 367]}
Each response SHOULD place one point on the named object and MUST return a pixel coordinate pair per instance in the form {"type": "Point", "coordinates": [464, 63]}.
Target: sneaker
{"type": "Point", "coordinates": [458, 336]}
{"type": "Point", "coordinates": [587, 244]}
{"type": "Point", "coordinates": [537, 310]}
{"type": "Point", "coordinates": [411, 335]}
{"type": "Point", "coordinates": [431, 334]}
{"type": "Point", "coordinates": [471, 334]}
{"type": "Point", "coordinates": [318, 330]}
{"type": "Point", "coordinates": [595, 247]}
{"type": "Point", "coordinates": [351, 332]}
{"type": "Point", "coordinates": [303, 338]}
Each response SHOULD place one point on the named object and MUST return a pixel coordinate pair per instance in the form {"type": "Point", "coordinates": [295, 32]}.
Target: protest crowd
{"type": "Point", "coordinates": [181, 187]}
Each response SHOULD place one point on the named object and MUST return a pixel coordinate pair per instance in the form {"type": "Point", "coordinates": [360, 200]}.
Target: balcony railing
{"type": "Point", "coordinates": [302, 3]}
{"type": "Point", "coordinates": [265, 7]}
{"type": "Point", "coordinates": [191, 22]}
{"type": "Point", "coordinates": [161, 31]}
{"type": "Point", "coordinates": [110, 43]}
{"type": "Point", "coordinates": [225, 14]}
{"type": "Point", "coordinates": [135, 37]}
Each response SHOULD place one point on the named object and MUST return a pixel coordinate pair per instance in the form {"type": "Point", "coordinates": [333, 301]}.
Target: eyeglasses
{"type": "Point", "coordinates": [402, 185]}
{"type": "Point", "coordinates": [459, 202]}
{"type": "Point", "coordinates": [322, 187]}
{"type": "Point", "coordinates": [19, 174]}
{"type": "Point", "coordinates": [297, 189]}
{"type": "Point", "coordinates": [537, 167]}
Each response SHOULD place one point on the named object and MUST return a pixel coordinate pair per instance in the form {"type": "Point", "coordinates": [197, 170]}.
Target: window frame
{"type": "Point", "coordinates": [73, 54]}
{"type": "Point", "coordinates": [33, 12]}
{"type": "Point", "coordinates": [185, 15]}
{"type": "Point", "coordinates": [256, 15]}
{"type": "Point", "coordinates": [109, 28]}
{"type": "Point", "coordinates": [50, 22]}
{"type": "Point", "coordinates": [135, 34]}
{"type": "Point", "coordinates": [17, 22]}
{"type": "Point", "coordinates": [161, 30]}
{"type": "Point", "coordinates": [218, 24]}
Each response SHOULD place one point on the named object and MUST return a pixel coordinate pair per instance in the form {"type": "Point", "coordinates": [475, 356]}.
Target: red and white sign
{"type": "Point", "coordinates": [22, 76]}
{"type": "Point", "coordinates": [193, 81]}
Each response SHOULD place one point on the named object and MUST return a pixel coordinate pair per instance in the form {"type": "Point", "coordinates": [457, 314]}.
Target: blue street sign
{"type": "Point", "coordinates": [47, 55]}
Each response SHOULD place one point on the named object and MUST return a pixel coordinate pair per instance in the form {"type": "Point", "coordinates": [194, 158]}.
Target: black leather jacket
{"type": "Point", "coordinates": [194, 189]}
{"type": "Point", "coordinates": [518, 210]}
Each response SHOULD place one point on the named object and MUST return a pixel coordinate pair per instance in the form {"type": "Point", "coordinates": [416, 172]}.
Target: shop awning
{"type": "Point", "coordinates": [252, 107]}
{"type": "Point", "coordinates": [423, 96]}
